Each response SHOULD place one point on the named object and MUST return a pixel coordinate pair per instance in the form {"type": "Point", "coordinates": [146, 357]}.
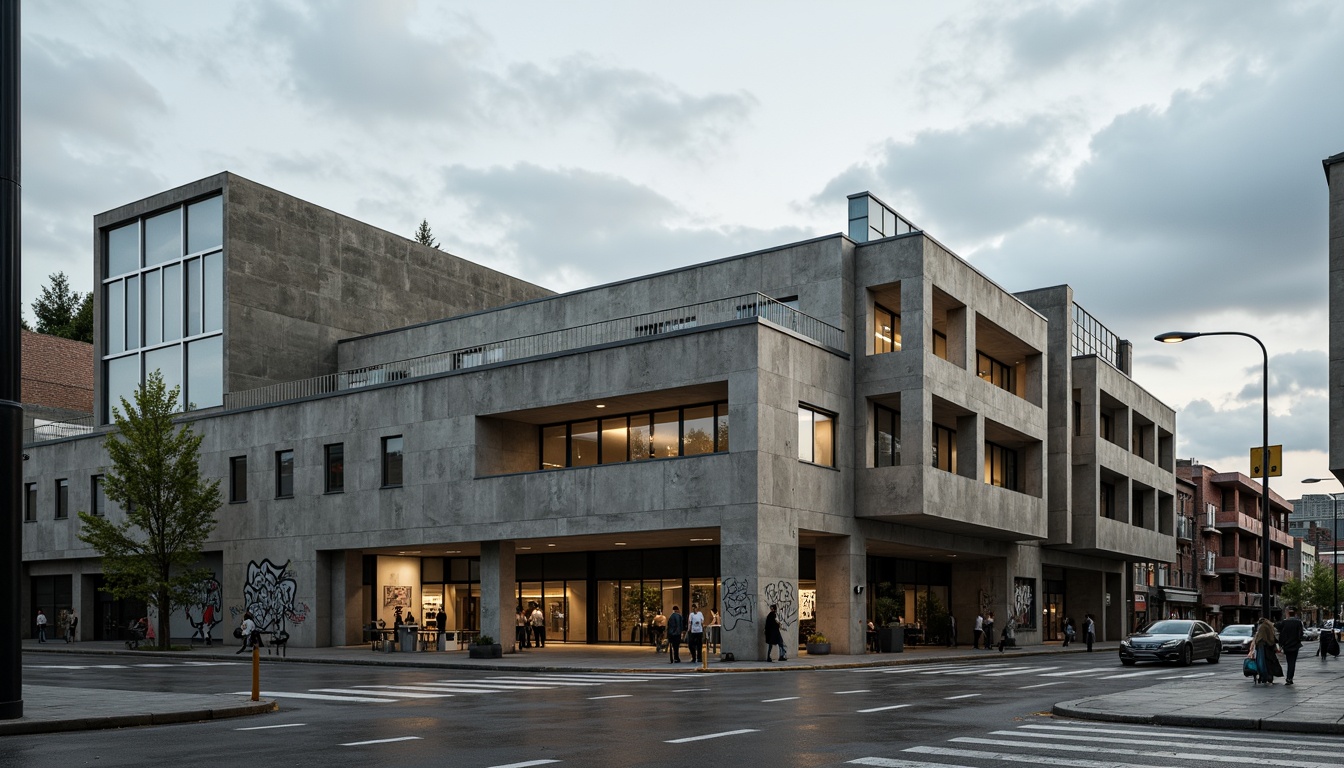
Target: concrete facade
{"type": "Point", "coordinates": [989, 500]}
{"type": "Point", "coordinates": [1334, 179]}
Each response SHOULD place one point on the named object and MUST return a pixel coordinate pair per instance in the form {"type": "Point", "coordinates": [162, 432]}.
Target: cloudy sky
{"type": "Point", "coordinates": [1162, 158]}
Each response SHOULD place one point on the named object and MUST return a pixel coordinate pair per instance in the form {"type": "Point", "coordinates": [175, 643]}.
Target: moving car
{"type": "Point", "coordinates": [1237, 638]}
{"type": "Point", "coordinates": [1311, 635]}
{"type": "Point", "coordinates": [1179, 640]}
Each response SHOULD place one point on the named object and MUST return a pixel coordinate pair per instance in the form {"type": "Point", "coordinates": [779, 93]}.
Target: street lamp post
{"type": "Point", "coordinates": [1334, 553]}
{"type": "Point", "coordinates": [1176, 337]}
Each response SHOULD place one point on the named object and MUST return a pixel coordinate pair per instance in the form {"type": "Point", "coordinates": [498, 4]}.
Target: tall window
{"type": "Point", "coordinates": [886, 330]}
{"type": "Point", "coordinates": [995, 372]}
{"type": "Point", "coordinates": [392, 461]}
{"type": "Point", "coordinates": [940, 344]}
{"type": "Point", "coordinates": [1106, 502]}
{"type": "Point", "coordinates": [690, 431]}
{"type": "Point", "coordinates": [1105, 427]}
{"type": "Point", "coordinates": [334, 461]}
{"type": "Point", "coordinates": [944, 449]}
{"type": "Point", "coordinates": [284, 474]}
{"type": "Point", "coordinates": [163, 300]}
{"type": "Point", "coordinates": [98, 503]}
{"type": "Point", "coordinates": [816, 436]}
{"type": "Point", "coordinates": [1000, 466]}
{"type": "Point", "coordinates": [62, 499]}
{"type": "Point", "coordinates": [886, 437]}
{"type": "Point", "coordinates": [30, 503]}
{"type": "Point", "coordinates": [237, 479]}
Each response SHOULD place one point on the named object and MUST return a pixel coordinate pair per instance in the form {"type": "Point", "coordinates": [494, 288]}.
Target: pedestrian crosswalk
{"type": "Point", "coordinates": [1095, 745]}
{"type": "Point", "coordinates": [387, 693]}
{"type": "Point", "coordinates": [1007, 671]}
{"type": "Point", "coordinates": [137, 666]}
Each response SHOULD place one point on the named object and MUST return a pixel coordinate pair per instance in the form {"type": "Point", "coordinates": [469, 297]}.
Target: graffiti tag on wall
{"type": "Point", "coordinates": [737, 603]}
{"type": "Point", "coordinates": [783, 594]}
{"type": "Point", "coordinates": [269, 595]}
{"type": "Point", "coordinates": [207, 602]}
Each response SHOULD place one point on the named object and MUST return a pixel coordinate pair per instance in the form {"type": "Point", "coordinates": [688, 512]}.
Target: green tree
{"type": "Point", "coordinates": [155, 477]}
{"type": "Point", "coordinates": [62, 312]}
{"type": "Point", "coordinates": [424, 236]}
{"type": "Point", "coordinates": [1322, 586]}
{"type": "Point", "coordinates": [1297, 593]}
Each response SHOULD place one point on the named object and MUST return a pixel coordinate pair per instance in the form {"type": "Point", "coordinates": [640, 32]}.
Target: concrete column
{"type": "Point", "coordinates": [842, 566]}
{"type": "Point", "coordinates": [758, 561]}
{"type": "Point", "coordinates": [499, 585]}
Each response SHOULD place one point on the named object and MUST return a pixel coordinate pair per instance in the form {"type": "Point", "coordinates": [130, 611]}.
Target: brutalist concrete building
{"type": "Point", "coordinates": [859, 426]}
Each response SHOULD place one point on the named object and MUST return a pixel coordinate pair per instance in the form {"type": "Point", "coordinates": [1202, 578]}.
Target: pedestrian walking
{"type": "Point", "coordinates": [979, 630]}
{"type": "Point", "coordinates": [659, 631]}
{"type": "Point", "coordinates": [539, 627]}
{"type": "Point", "coordinates": [695, 636]}
{"type": "Point", "coordinates": [1069, 632]}
{"type": "Point", "coordinates": [675, 626]}
{"type": "Point", "coordinates": [1089, 631]}
{"type": "Point", "coordinates": [1291, 631]}
{"type": "Point", "coordinates": [41, 626]}
{"type": "Point", "coordinates": [989, 631]}
{"type": "Point", "coordinates": [251, 636]}
{"type": "Point", "coordinates": [207, 619]}
{"type": "Point", "coordinates": [951, 631]}
{"type": "Point", "coordinates": [1262, 650]}
{"type": "Point", "coordinates": [72, 627]}
{"type": "Point", "coordinates": [773, 637]}
{"type": "Point", "coordinates": [520, 633]}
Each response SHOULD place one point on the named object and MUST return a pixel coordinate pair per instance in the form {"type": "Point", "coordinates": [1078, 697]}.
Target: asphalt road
{"type": "Point", "coordinates": [989, 712]}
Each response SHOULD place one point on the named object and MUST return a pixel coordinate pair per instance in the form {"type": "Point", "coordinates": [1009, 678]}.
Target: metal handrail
{"type": "Point", "coordinates": [646, 325]}
{"type": "Point", "coordinates": [56, 430]}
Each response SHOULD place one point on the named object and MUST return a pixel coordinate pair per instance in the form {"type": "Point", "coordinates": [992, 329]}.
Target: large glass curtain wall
{"type": "Point", "coordinates": [163, 301]}
{"type": "Point", "coordinates": [689, 431]}
{"type": "Point", "coordinates": [918, 593]}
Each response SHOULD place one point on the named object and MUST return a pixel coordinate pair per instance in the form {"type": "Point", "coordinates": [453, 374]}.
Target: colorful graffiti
{"type": "Point", "coordinates": [207, 604]}
{"type": "Point", "coordinates": [783, 594]}
{"type": "Point", "coordinates": [738, 604]}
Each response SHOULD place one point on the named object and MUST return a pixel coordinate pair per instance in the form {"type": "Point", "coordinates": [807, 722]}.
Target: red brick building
{"type": "Point", "coordinates": [57, 378]}
{"type": "Point", "coordinates": [1227, 543]}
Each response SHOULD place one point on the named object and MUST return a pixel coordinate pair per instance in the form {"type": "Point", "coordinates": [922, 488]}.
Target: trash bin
{"type": "Point", "coordinates": [408, 638]}
{"type": "Point", "coordinates": [386, 644]}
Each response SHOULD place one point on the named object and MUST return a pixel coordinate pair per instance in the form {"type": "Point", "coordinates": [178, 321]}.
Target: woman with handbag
{"type": "Point", "coordinates": [1262, 650]}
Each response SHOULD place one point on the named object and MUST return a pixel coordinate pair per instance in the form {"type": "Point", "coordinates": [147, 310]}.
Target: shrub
{"type": "Point", "coordinates": [817, 639]}
{"type": "Point", "coordinates": [485, 640]}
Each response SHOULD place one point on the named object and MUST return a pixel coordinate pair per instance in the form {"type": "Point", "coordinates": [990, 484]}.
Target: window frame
{"type": "Point", "coordinates": [400, 461]}
{"type": "Point", "coordinates": [935, 457]}
{"type": "Point", "coordinates": [894, 417]}
{"type": "Point", "coordinates": [237, 479]}
{"type": "Point", "coordinates": [327, 473]}
{"type": "Point", "coordinates": [30, 502]}
{"type": "Point", "coordinates": [996, 372]}
{"type": "Point", "coordinates": [97, 497]}
{"type": "Point", "coordinates": [811, 442]}
{"type": "Point", "coordinates": [721, 436]}
{"type": "Point", "coordinates": [282, 458]}
{"type": "Point", "coordinates": [62, 500]}
{"type": "Point", "coordinates": [997, 461]}
{"type": "Point", "coordinates": [886, 346]}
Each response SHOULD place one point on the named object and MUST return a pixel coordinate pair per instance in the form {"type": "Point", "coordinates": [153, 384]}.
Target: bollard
{"type": "Point", "coordinates": [256, 673]}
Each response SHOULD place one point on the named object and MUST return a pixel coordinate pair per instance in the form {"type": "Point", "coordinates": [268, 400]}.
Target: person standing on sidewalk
{"type": "Point", "coordinates": [951, 631]}
{"type": "Point", "coordinates": [675, 625]}
{"type": "Point", "coordinates": [695, 636]}
{"type": "Point", "coordinates": [773, 637]}
{"type": "Point", "coordinates": [1262, 648]}
{"type": "Point", "coordinates": [41, 626]}
{"type": "Point", "coordinates": [979, 629]}
{"type": "Point", "coordinates": [659, 630]}
{"type": "Point", "coordinates": [1291, 632]}
{"type": "Point", "coordinates": [1069, 632]}
{"type": "Point", "coordinates": [520, 631]}
{"type": "Point", "coordinates": [1089, 631]}
{"type": "Point", "coordinates": [989, 631]}
{"type": "Point", "coordinates": [539, 627]}
{"type": "Point", "coordinates": [71, 627]}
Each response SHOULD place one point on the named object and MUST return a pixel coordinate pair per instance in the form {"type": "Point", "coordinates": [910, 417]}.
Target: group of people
{"type": "Point", "coordinates": [692, 626]}
{"type": "Point", "coordinates": [67, 622]}
{"type": "Point", "coordinates": [530, 627]}
{"type": "Point", "coordinates": [1288, 635]}
{"type": "Point", "coordinates": [1089, 631]}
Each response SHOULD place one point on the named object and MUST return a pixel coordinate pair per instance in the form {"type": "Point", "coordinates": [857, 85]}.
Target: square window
{"type": "Point", "coordinates": [392, 461]}
{"type": "Point", "coordinates": [334, 461]}
{"type": "Point", "coordinates": [237, 479]}
{"type": "Point", "coordinates": [816, 436]}
{"type": "Point", "coordinates": [284, 474]}
{"type": "Point", "coordinates": [62, 499]}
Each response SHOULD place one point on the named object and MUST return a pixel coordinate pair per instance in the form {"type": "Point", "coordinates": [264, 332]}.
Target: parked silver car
{"type": "Point", "coordinates": [1237, 638]}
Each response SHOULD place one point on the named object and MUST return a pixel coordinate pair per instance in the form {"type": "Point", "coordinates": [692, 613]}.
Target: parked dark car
{"type": "Point", "coordinates": [1237, 638]}
{"type": "Point", "coordinates": [1178, 640]}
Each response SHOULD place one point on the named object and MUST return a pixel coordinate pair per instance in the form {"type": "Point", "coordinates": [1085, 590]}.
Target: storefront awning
{"type": "Point", "coordinates": [1176, 595]}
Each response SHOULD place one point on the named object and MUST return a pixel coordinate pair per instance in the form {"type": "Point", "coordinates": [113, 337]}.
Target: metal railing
{"type": "Point", "coordinates": [1090, 337]}
{"type": "Point", "coordinates": [55, 430]}
{"type": "Point", "coordinates": [647, 325]}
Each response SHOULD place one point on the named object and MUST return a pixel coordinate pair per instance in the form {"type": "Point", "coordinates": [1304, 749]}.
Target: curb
{"type": "Point", "coordinates": [25, 726]}
{"type": "Point", "coordinates": [1077, 710]}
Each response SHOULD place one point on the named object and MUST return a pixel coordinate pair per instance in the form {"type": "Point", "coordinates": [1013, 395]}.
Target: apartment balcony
{"type": "Point", "coordinates": [1233, 520]}
{"type": "Point", "coordinates": [929, 498]}
{"type": "Point", "coordinates": [1185, 529]}
{"type": "Point", "coordinates": [1248, 567]}
{"type": "Point", "coordinates": [1238, 599]}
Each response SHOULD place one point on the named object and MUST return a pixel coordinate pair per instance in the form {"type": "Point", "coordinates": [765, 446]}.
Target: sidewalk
{"type": "Point", "coordinates": [1228, 700]}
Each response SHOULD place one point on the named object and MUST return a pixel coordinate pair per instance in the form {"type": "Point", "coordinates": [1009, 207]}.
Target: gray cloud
{"type": "Point", "coordinates": [368, 63]}
{"type": "Point", "coordinates": [1293, 374]}
{"type": "Point", "coordinates": [1205, 430]}
{"type": "Point", "coordinates": [572, 228]}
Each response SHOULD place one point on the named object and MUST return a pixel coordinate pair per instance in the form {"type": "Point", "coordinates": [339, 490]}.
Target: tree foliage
{"type": "Point", "coordinates": [1316, 591]}
{"type": "Point", "coordinates": [169, 509]}
{"type": "Point", "coordinates": [425, 236]}
{"type": "Point", "coordinates": [62, 312]}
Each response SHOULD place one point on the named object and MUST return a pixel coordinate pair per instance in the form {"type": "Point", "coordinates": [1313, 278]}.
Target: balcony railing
{"type": "Point", "coordinates": [55, 430]}
{"type": "Point", "coordinates": [1185, 528]}
{"type": "Point", "coordinates": [647, 325]}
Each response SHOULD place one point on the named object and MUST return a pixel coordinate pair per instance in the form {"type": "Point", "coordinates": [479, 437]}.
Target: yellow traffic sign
{"type": "Point", "coordinates": [1275, 462]}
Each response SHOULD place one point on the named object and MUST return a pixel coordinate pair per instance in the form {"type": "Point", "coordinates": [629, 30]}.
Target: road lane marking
{"type": "Point", "coordinates": [887, 762]}
{"type": "Point", "coordinates": [974, 671]}
{"type": "Point", "coordinates": [920, 668]}
{"type": "Point", "coordinates": [1008, 757]}
{"type": "Point", "coordinates": [1026, 671]}
{"type": "Point", "coordinates": [1141, 673]}
{"type": "Point", "coordinates": [1166, 732]}
{"type": "Point", "coordinates": [381, 741]}
{"type": "Point", "coordinates": [962, 696]}
{"type": "Point", "coordinates": [535, 680]}
{"type": "Point", "coordinates": [527, 764]}
{"type": "Point", "coordinates": [613, 696]}
{"type": "Point", "coordinates": [1187, 677]}
{"type": "Point", "coordinates": [786, 698]}
{"type": "Point", "coordinates": [383, 692]}
{"type": "Point", "coordinates": [711, 736]}
{"type": "Point", "coordinates": [431, 688]}
{"type": "Point", "coordinates": [1259, 749]}
{"type": "Point", "coordinates": [689, 690]}
{"type": "Point", "coordinates": [502, 686]}
{"type": "Point", "coordinates": [267, 727]}
{"type": "Point", "coordinates": [1041, 685]}
{"type": "Point", "coordinates": [315, 696]}
{"type": "Point", "coordinates": [1090, 671]}
{"type": "Point", "coordinates": [842, 693]}
{"type": "Point", "coordinates": [883, 709]}
{"type": "Point", "coordinates": [1198, 756]}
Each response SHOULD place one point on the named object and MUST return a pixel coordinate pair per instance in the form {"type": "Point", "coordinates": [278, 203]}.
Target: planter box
{"type": "Point", "coordinates": [495, 651]}
{"type": "Point", "coordinates": [891, 639]}
{"type": "Point", "coordinates": [818, 649]}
